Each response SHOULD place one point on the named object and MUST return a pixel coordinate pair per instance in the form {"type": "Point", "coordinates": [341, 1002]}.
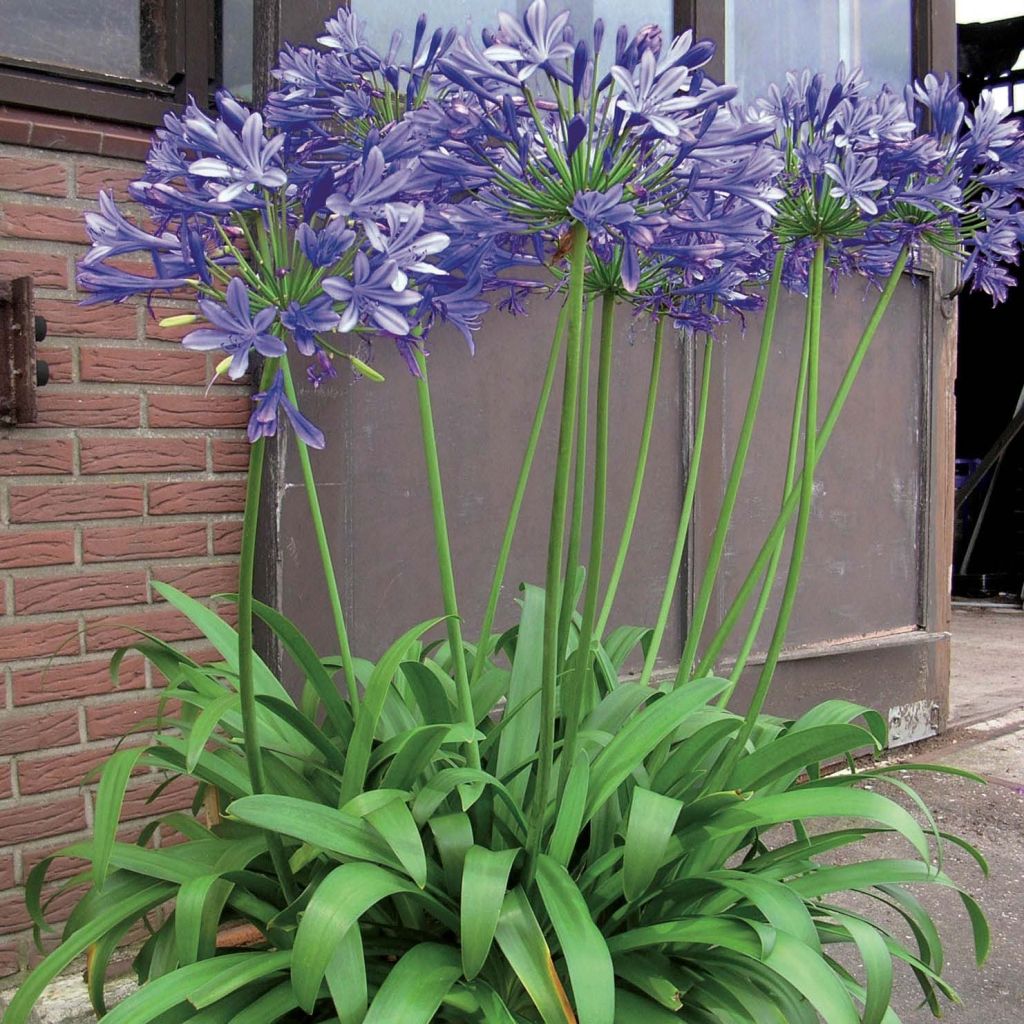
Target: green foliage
{"type": "Point", "coordinates": [653, 898]}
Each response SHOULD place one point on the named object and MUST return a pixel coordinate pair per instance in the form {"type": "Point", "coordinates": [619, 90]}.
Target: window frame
{"type": "Point", "coordinates": [191, 66]}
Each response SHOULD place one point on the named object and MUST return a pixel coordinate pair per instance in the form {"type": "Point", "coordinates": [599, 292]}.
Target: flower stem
{"type": "Point", "coordinates": [638, 481]}
{"type": "Point", "coordinates": [246, 686]}
{"type": "Point", "coordinates": [572, 699]}
{"type": "Point", "coordinates": [792, 457]}
{"type": "Point", "coordinates": [444, 561]}
{"type": "Point", "coordinates": [707, 585]}
{"type": "Point", "coordinates": [330, 577]}
{"type": "Point", "coordinates": [689, 495]}
{"type": "Point", "coordinates": [501, 565]}
{"type": "Point", "coordinates": [746, 589]}
{"type": "Point", "coordinates": [803, 519]}
{"type": "Point", "coordinates": [550, 657]}
{"type": "Point", "coordinates": [572, 551]}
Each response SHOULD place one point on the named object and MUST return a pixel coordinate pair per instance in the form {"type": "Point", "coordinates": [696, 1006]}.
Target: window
{"type": "Point", "coordinates": [123, 60]}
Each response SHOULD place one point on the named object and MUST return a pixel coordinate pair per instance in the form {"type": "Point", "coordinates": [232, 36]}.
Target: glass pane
{"type": "Point", "coordinates": [114, 37]}
{"type": "Point", "coordinates": [385, 16]}
{"type": "Point", "coordinates": [236, 47]}
{"type": "Point", "coordinates": [766, 38]}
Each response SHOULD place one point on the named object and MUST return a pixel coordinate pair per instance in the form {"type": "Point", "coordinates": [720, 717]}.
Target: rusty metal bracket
{"type": "Point", "coordinates": [18, 371]}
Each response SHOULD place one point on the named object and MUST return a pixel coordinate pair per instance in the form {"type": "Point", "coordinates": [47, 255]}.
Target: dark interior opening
{"type": "Point", "coordinates": [988, 554]}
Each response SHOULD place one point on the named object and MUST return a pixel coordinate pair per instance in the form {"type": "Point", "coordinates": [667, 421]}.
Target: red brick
{"type": "Point", "coordinates": [35, 730]}
{"type": "Point", "coordinates": [124, 543]}
{"type": "Point", "coordinates": [65, 867]}
{"type": "Point", "coordinates": [7, 871]}
{"type": "Point", "coordinates": [118, 629]}
{"type": "Point", "coordinates": [177, 796]}
{"type": "Point", "coordinates": [200, 581]}
{"type": "Point", "coordinates": [51, 772]}
{"type": "Point", "coordinates": [230, 456]}
{"type": "Point", "coordinates": [197, 411]}
{"type": "Point", "coordinates": [73, 500]}
{"type": "Point", "coordinates": [60, 361]}
{"type": "Point", "coordinates": [31, 639]}
{"type": "Point", "coordinates": [115, 719]}
{"type": "Point", "coordinates": [142, 366]}
{"type": "Point", "coordinates": [73, 681]}
{"type": "Point", "coordinates": [227, 537]}
{"type": "Point", "coordinates": [87, 409]}
{"type": "Point", "coordinates": [198, 496]}
{"type": "Point", "coordinates": [45, 221]}
{"type": "Point", "coordinates": [6, 789]}
{"type": "Point", "coordinates": [43, 177]}
{"type": "Point", "coordinates": [65, 133]}
{"type": "Point", "coordinates": [34, 458]}
{"type": "Point", "coordinates": [90, 178]}
{"type": "Point", "coordinates": [23, 548]}
{"type": "Point", "coordinates": [36, 595]}
{"type": "Point", "coordinates": [14, 914]}
{"type": "Point", "coordinates": [158, 313]}
{"type": "Point", "coordinates": [125, 144]}
{"type": "Point", "coordinates": [45, 268]}
{"type": "Point", "coordinates": [66, 318]}
{"type": "Point", "coordinates": [143, 455]}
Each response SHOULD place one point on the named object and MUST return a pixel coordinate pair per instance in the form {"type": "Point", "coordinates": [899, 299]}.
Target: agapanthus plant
{"type": "Point", "coordinates": [507, 832]}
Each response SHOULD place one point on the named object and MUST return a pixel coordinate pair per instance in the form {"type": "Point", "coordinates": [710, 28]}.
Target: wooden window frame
{"type": "Point", "coordinates": [191, 71]}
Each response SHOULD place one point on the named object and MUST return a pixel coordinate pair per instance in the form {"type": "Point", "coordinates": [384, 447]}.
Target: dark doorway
{"type": "Point", "coordinates": [988, 559]}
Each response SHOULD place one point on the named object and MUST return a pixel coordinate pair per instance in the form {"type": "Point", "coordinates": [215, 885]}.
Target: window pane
{"type": "Point", "coordinates": [236, 47]}
{"type": "Point", "coordinates": [767, 38]}
{"type": "Point", "coordinates": [384, 16]}
{"type": "Point", "coordinates": [110, 36]}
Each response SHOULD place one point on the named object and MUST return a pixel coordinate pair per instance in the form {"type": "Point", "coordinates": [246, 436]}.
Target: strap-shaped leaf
{"type": "Point", "coordinates": [631, 1008]}
{"type": "Point", "coordinates": [381, 678]}
{"type": "Point", "coordinates": [339, 902]}
{"type": "Point", "coordinates": [519, 737]}
{"type": "Point", "coordinates": [265, 1009]}
{"type": "Point", "coordinates": [413, 754]}
{"type": "Point", "coordinates": [293, 717]}
{"type": "Point", "coordinates": [109, 798]}
{"type": "Point", "coordinates": [202, 728]}
{"type": "Point", "coordinates": [415, 986]}
{"type": "Point", "coordinates": [571, 807]}
{"type": "Point", "coordinates": [110, 916]}
{"type": "Point", "coordinates": [642, 734]}
{"type": "Point", "coordinates": [484, 884]}
{"type": "Point", "coordinates": [583, 946]}
{"type": "Point", "coordinates": [432, 688]}
{"type": "Point", "coordinates": [433, 794]}
{"type": "Point", "coordinates": [249, 967]}
{"type": "Point", "coordinates": [394, 822]}
{"type": "Point", "coordinates": [652, 820]}
{"type": "Point", "coordinates": [197, 911]}
{"type": "Point", "coordinates": [346, 978]}
{"type": "Point", "coordinates": [522, 942]}
{"type": "Point", "coordinates": [874, 954]}
{"type": "Point", "coordinates": [453, 836]}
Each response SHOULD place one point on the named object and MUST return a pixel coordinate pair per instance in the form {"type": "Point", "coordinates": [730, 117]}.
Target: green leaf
{"type": "Point", "coordinates": [806, 802]}
{"type": "Point", "coordinates": [571, 806]}
{"type": "Point", "coordinates": [111, 914]}
{"type": "Point", "coordinates": [583, 946]}
{"type": "Point", "coordinates": [484, 883]}
{"type": "Point", "coordinates": [433, 794]}
{"type": "Point", "coordinates": [631, 1008]}
{"type": "Point", "coordinates": [521, 940]}
{"type": "Point", "coordinates": [787, 756]}
{"type": "Point", "coordinates": [396, 826]}
{"type": "Point", "coordinates": [453, 836]}
{"type": "Point", "coordinates": [346, 978]}
{"type": "Point", "coordinates": [358, 757]}
{"type": "Point", "coordinates": [202, 728]}
{"type": "Point", "coordinates": [322, 827]}
{"type": "Point", "coordinates": [652, 820]}
{"type": "Point", "coordinates": [519, 738]}
{"type": "Point", "coordinates": [642, 734]}
{"type": "Point", "coordinates": [291, 715]}
{"type": "Point", "coordinates": [414, 753]}
{"type": "Point", "coordinates": [623, 639]}
{"type": "Point", "coordinates": [302, 652]}
{"type": "Point", "coordinates": [249, 967]}
{"type": "Point", "coordinates": [338, 903]}
{"type": "Point", "coordinates": [874, 954]}
{"type": "Point", "coordinates": [197, 912]}
{"type": "Point", "coordinates": [109, 797]}
{"type": "Point", "coordinates": [267, 1008]}
{"type": "Point", "coordinates": [415, 986]}
{"type": "Point", "coordinates": [432, 688]}
{"type": "Point", "coordinates": [739, 936]}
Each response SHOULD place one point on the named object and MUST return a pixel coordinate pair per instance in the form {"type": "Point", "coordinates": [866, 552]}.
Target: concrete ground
{"type": "Point", "coordinates": [986, 736]}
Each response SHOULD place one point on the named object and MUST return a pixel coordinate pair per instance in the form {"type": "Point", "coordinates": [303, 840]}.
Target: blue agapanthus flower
{"type": "Point", "coordinates": [266, 416]}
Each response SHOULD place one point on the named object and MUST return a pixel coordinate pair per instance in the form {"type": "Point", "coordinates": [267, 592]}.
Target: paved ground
{"type": "Point", "coordinates": [987, 736]}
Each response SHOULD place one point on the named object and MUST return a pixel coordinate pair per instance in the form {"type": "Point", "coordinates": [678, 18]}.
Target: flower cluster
{"type": "Point", "coordinates": [873, 174]}
{"type": "Point", "coordinates": [378, 194]}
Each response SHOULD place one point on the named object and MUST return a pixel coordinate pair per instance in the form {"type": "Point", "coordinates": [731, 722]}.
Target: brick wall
{"type": "Point", "coordinates": [130, 476]}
